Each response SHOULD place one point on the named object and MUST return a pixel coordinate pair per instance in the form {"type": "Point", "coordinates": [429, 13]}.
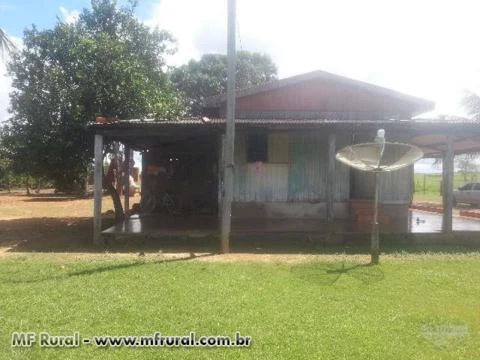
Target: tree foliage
{"type": "Point", "coordinates": [471, 102]}
{"type": "Point", "coordinates": [200, 79]}
{"type": "Point", "coordinates": [7, 47]}
{"type": "Point", "coordinates": [107, 63]}
{"type": "Point", "coordinates": [467, 165]}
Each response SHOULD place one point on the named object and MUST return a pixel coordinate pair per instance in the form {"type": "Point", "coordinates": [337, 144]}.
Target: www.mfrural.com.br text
{"type": "Point", "coordinates": [157, 339]}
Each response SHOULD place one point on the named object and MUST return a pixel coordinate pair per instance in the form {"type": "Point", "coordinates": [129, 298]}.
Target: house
{"type": "Point", "coordinates": [286, 176]}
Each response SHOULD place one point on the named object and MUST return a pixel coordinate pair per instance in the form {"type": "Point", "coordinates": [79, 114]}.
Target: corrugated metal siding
{"type": "Point", "coordinates": [342, 173]}
{"type": "Point", "coordinates": [266, 182]}
{"type": "Point", "coordinates": [259, 182]}
{"type": "Point", "coordinates": [304, 178]}
{"type": "Point", "coordinates": [307, 168]}
{"type": "Point", "coordinates": [395, 186]}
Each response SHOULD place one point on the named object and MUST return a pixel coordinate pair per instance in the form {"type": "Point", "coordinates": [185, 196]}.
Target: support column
{"type": "Point", "coordinates": [375, 237]}
{"type": "Point", "coordinates": [126, 181]}
{"type": "Point", "coordinates": [331, 178]}
{"type": "Point", "coordinates": [226, 220]}
{"type": "Point", "coordinates": [447, 181]}
{"type": "Point", "coordinates": [98, 190]}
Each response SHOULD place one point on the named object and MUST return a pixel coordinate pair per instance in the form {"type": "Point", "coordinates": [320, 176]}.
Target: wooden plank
{"type": "Point", "coordinates": [126, 180]}
{"type": "Point", "coordinates": [98, 190]}
{"type": "Point", "coordinates": [447, 172]}
{"type": "Point", "coordinates": [331, 177]}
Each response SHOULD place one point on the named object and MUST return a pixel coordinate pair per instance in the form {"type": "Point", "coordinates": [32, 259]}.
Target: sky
{"type": "Point", "coordinates": [427, 48]}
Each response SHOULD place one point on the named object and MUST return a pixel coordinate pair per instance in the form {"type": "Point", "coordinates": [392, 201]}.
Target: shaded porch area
{"type": "Point", "coordinates": [199, 235]}
{"type": "Point", "coordinates": [153, 227]}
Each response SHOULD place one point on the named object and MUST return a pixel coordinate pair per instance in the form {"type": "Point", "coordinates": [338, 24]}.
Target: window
{"type": "Point", "coordinates": [466, 187]}
{"type": "Point", "coordinates": [257, 148]}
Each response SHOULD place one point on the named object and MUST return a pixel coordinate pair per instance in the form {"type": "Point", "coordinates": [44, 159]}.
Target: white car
{"type": "Point", "coordinates": [467, 194]}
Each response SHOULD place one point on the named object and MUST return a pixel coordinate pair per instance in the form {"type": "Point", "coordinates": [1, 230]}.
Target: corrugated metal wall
{"type": "Point", "coordinates": [395, 186]}
{"type": "Point", "coordinates": [301, 177]}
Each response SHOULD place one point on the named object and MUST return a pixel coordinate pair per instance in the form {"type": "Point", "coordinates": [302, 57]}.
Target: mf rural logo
{"type": "Point", "coordinates": [445, 336]}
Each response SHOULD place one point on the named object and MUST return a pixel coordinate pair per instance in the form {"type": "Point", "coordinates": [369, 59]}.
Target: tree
{"type": "Point", "coordinates": [106, 63]}
{"type": "Point", "coordinates": [471, 102]}
{"type": "Point", "coordinates": [467, 164]}
{"type": "Point", "coordinates": [7, 46]}
{"type": "Point", "coordinates": [208, 76]}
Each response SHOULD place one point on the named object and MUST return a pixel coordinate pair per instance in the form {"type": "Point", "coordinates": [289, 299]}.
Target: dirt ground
{"type": "Point", "coordinates": [51, 223]}
{"type": "Point", "coordinates": [48, 222]}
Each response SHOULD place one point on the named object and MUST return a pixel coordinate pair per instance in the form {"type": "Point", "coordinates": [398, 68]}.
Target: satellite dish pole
{"type": "Point", "coordinates": [228, 160]}
{"type": "Point", "coordinates": [375, 238]}
{"type": "Point", "coordinates": [378, 157]}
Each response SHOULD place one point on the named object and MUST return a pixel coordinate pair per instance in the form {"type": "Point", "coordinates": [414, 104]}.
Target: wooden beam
{"type": "Point", "coordinates": [126, 181]}
{"type": "Point", "coordinates": [447, 181]}
{"type": "Point", "coordinates": [98, 190]}
{"type": "Point", "coordinates": [331, 178]}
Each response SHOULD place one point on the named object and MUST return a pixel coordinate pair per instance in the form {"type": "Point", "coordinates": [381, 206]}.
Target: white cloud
{"type": "Point", "coordinates": [6, 84]}
{"type": "Point", "coordinates": [69, 16]}
{"type": "Point", "coordinates": [425, 48]}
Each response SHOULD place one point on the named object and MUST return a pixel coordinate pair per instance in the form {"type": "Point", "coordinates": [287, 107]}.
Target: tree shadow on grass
{"type": "Point", "coordinates": [325, 273]}
{"type": "Point", "coordinates": [14, 278]}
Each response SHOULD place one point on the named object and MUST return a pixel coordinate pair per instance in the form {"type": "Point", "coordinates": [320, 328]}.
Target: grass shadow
{"type": "Point", "coordinates": [96, 270]}
{"type": "Point", "coordinates": [329, 273]}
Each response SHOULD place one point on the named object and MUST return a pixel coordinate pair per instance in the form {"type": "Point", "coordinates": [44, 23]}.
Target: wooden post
{"type": "Point", "coordinates": [126, 181]}
{"type": "Point", "coordinates": [331, 178]}
{"type": "Point", "coordinates": [98, 192]}
{"type": "Point", "coordinates": [220, 175]}
{"type": "Point", "coordinates": [226, 220]}
{"type": "Point", "coordinates": [447, 172]}
{"type": "Point", "coordinates": [375, 238]}
{"type": "Point", "coordinates": [117, 159]}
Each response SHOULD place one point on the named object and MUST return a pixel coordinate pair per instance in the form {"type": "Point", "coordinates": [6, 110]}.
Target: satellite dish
{"type": "Point", "coordinates": [378, 157]}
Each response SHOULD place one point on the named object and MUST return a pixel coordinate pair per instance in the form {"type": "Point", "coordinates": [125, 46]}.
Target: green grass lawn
{"type": "Point", "coordinates": [427, 186]}
{"type": "Point", "coordinates": [409, 307]}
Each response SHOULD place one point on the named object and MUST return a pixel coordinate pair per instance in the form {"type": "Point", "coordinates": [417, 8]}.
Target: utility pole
{"type": "Point", "coordinates": [228, 161]}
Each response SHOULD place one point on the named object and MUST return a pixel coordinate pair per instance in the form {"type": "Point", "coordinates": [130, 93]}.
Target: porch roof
{"type": "Point", "coordinates": [431, 135]}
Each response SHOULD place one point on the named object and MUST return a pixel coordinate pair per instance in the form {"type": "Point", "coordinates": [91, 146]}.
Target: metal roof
{"type": "Point", "coordinates": [430, 134]}
{"type": "Point", "coordinates": [425, 105]}
{"type": "Point", "coordinates": [205, 122]}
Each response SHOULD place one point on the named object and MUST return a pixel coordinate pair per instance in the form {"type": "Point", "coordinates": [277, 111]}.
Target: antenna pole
{"type": "Point", "coordinates": [375, 242]}
{"type": "Point", "coordinates": [226, 219]}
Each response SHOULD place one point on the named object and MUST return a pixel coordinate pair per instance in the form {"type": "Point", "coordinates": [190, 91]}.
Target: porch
{"type": "Point", "coordinates": [303, 191]}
